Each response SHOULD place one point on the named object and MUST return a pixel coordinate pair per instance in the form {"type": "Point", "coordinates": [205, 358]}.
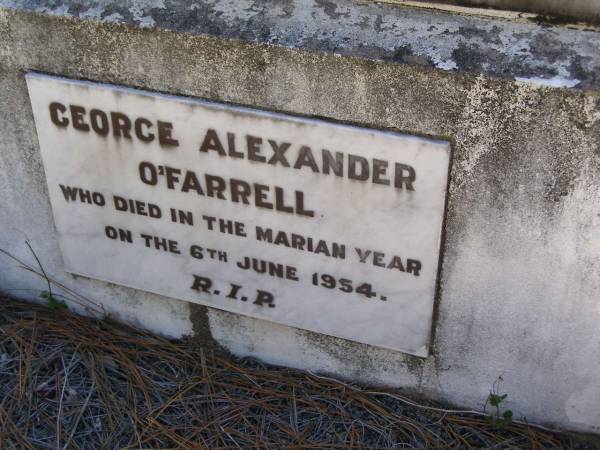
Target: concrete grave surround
{"type": "Point", "coordinates": [519, 290]}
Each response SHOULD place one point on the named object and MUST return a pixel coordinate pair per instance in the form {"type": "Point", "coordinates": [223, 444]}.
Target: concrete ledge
{"type": "Point", "coordinates": [581, 10]}
{"type": "Point", "coordinates": [554, 56]}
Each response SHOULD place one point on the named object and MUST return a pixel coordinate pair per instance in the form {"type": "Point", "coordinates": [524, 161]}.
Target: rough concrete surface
{"type": "Point", "coordinates": [384, 32]}
{"type": "Point", "coordinates": [519, 291]}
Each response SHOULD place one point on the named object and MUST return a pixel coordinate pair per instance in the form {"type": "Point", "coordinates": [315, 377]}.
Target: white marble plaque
{"type": "Point", "coordinates": [326, 227]}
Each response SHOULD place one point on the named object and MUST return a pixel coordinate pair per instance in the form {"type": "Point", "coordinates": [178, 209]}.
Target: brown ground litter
{"type": "Point", "coordinates": [68, 381]}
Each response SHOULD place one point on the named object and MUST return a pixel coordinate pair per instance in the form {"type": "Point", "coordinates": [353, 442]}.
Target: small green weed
{"type": "Point", "coordinates": [52, 301]}
{"type": "Point", "coordinates": [498, 419]}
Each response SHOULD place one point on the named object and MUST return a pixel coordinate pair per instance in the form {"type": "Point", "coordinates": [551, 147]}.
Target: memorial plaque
{"type": "Point", "coordinates": [321, 226]}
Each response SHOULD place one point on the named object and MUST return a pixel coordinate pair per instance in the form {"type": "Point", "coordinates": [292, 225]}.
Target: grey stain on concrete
{"type": "Point", "coordinates": [376, 31]}
{"type": "Point", "coordinates": [359, 359]}
{"type": "Point", "coordinates": [201, 328]}
{"type": "Point", "coordinates": [331, 9]}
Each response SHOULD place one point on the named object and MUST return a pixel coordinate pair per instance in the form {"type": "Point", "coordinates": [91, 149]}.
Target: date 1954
{"type": "Point", "coordinates": [205, 285]}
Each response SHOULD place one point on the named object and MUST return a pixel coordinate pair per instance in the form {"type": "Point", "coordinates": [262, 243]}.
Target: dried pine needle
{"type": "Point", "coordinates": [68, 381]}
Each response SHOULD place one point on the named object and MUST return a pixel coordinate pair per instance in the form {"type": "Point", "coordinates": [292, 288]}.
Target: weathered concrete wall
{"type": "Point", "coordinates": [520, 292]}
